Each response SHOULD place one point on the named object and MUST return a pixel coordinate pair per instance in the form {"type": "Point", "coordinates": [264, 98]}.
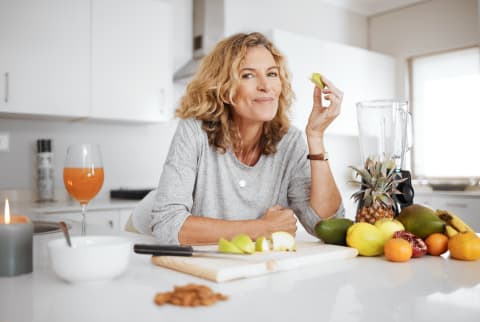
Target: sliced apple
{"type": "Point", "coordinates": [316, 78]}
{"type": "Point", "coordinates": [283, 241]}
{"type": "Point", "coordinates": [262, 244]}
{"type": "Point", "coordinates": [244, 243]}
{"type": "Point", "coordinates": [224, 246]}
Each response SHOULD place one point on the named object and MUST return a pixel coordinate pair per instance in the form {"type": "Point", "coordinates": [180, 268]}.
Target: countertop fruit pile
{"type": "Point", "coordinates": [416, 231]}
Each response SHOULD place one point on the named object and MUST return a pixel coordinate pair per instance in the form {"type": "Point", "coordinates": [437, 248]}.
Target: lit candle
{"type": "Point", "coordinates": [16, 243]}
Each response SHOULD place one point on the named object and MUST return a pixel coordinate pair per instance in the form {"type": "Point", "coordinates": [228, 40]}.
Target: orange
{"type": "Point", "coordinates": [464, 246]}
{"type": "Point", "coordinates": [437, 244]}
{"type": "Point", "coordinates": [398, 250]}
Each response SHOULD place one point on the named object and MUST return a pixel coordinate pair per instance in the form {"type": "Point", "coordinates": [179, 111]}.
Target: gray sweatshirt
{"type": "Point", "coordinates": [198, 180]}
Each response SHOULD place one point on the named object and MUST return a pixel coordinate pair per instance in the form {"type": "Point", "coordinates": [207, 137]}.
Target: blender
{"type": "Point", "coordinates": [383, 127]}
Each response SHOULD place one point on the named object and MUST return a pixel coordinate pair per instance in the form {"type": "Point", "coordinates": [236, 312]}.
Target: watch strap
{"type": "Point", "coordinates": [321, 156]}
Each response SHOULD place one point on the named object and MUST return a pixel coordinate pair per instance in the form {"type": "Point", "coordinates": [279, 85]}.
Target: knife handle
{"type": "Point", "coordinates": [163, 250]}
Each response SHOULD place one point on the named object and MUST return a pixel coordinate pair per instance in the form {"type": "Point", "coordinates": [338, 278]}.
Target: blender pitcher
{"type": "Point", "coordinates": [383, 126]}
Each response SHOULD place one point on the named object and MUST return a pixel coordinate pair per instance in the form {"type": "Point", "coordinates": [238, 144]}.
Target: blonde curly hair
{"type": "Point", "coordinates": [215, 84]}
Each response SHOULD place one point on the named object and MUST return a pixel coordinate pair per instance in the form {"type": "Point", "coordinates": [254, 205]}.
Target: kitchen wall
{"type": "Point", "coordinates": [134, 153]}
{"type": "Point", "coordinates": [428, 27]}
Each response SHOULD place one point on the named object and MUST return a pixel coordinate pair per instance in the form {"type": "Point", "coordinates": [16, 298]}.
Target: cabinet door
{"type": "Point", "coordinates": [131, 60]}
{"type": "Point", "coordinates": [466, 208]}
{"type": "Point", "coordinates": [44, 57]}
{"type": "Point", "coordinates": [359, 73]}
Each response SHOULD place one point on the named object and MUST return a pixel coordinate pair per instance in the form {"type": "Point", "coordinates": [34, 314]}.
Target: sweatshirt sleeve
{"type": "Point", "coordinates": [174, 197]}
{"type": "Point", "coordinates": [300, 186]}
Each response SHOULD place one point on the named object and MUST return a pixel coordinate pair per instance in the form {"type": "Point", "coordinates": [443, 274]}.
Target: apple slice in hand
{"type": "Point", "coordinates": [316, 78]}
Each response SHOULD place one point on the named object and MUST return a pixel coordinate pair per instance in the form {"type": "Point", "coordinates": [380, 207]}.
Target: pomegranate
{"type": "Point", "coordinates": [418, 245]}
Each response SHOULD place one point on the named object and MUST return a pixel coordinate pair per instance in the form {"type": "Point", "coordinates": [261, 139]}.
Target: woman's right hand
{"type": "Point", "coordinates": [278, 218]}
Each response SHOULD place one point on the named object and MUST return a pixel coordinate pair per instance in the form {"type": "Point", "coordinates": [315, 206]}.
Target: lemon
{"type": "Point", "coordinates": [366, 238]}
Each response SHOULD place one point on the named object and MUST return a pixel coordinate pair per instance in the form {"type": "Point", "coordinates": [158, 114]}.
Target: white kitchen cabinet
{"type": "Point", "coordinates": [44, 57]}
{"type": "Point", "coordinates": [131, 60]}
{"type": "Point", "coordinates": [361, 74]}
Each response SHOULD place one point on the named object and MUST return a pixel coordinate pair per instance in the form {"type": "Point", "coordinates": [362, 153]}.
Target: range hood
{"type": "Point", "coordinates": [208, 28]}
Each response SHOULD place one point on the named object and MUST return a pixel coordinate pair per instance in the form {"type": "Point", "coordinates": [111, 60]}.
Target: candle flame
{"type": "Point", "coordinates": [7, 212]}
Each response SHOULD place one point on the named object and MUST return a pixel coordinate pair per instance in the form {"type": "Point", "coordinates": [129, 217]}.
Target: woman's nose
{"type": "Point", "coordinates": [262, 83]}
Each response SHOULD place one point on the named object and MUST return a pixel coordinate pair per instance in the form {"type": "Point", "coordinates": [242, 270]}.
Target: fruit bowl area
{"type": "Point", "coordinates": [415, 232]}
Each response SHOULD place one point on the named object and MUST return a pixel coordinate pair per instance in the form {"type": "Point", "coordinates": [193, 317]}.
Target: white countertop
{"type": "Point", "coordinates": [360, 289]}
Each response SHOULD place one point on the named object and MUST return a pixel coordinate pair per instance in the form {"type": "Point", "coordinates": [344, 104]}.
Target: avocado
{"type": "Point", "coordinates": [333, 231]}
{"type": "Point", "coordinates": [421, 221]}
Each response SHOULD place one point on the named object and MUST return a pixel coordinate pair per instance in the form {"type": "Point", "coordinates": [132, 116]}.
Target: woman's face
{"type": "Point", "coordinates": [256, 99]}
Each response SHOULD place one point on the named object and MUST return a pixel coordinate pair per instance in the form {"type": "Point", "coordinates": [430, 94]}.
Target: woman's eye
{"type": "Point", "coordinates": [247, 75]}
{"type": "Point", "coordinates": [272, 74]}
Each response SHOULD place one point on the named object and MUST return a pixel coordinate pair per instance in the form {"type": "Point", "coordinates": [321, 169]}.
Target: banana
{"type": "Point", "coordinates": [453, 220]}
{"type": "Point", "coordinates": [450, 231]}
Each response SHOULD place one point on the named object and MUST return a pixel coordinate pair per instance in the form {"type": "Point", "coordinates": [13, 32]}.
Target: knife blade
{"type": "Point", "coordinates": [173, 250]}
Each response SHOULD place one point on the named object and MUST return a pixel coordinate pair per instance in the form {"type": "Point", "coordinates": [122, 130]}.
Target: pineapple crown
{"type": "Point", "coordinates": [379, 182]}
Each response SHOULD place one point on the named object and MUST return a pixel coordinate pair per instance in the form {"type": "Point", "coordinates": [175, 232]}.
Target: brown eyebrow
{"type": "Point", "coordinates": [253, 69]}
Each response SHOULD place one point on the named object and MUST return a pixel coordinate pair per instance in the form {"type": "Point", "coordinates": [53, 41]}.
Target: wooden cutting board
{"type": "Point", "coordinates": [225, 267]}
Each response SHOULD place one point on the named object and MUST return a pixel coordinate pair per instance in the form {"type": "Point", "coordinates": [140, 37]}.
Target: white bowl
{"type": "Point", "coordinates": [91, 258]}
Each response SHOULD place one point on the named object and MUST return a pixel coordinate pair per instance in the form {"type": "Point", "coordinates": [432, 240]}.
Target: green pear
{"type": "Point", "coordinates": [283, 241]}
{"type": "Point", "coordinates": [224, 246]}
{"type": "Point", "coordinates": [262, 244]}
{"type": "Point", "coordinates": [316, 78]}
{"type": "Point", "coordinates": [244, 243]}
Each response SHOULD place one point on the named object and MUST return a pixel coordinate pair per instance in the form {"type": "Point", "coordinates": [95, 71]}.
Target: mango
{"type": "Point", "coordinates": [333, 231]}
{"type": "Point", "coordinates": [421, 221]}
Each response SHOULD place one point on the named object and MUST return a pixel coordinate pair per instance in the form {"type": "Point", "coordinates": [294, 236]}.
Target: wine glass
{"type": "Point", "coordinates": [83, 175]}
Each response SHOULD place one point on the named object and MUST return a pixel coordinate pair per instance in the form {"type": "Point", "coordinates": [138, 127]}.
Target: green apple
{"type": "Point", "coordinates": [244, 243]}
{"type": "Point", "coordinates": [224, 246]}
{"type": "Point", "coordinates": [262, 244]}
{"type": "Point", "coordinates": [283, 241]}
{"type": "Point", "coordinates": [316, 78]}
{"type": "Point", "coordinates": [389, 226]}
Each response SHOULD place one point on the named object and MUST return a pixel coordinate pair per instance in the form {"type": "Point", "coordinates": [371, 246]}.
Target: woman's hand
{"type": "Point", "coordinates": [278, 218]}
{"type": "Point", "coordinates": [321, 116]}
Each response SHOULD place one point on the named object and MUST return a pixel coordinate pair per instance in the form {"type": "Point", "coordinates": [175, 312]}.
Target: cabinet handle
{"type": "Point", "coordinates": [6, 87]}
{"type": "Point", "coordinates": [456, 205]}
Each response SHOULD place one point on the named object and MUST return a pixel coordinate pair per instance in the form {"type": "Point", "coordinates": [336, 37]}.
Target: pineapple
{"type": "Point", "coordinates": [378, 185]}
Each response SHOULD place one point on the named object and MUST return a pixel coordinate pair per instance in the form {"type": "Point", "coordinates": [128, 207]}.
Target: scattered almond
{"type": "Point", "coordinates": [189, 295]}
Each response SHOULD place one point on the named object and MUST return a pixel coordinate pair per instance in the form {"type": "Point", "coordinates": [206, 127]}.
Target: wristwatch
{"type": "Point", "coordinates": [322, 156]}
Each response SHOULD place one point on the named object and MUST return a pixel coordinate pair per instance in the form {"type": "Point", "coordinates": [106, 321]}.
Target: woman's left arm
{"type": "Point", "coordinates": [325, 197]}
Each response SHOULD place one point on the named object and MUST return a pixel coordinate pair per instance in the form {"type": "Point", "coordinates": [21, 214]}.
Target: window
{"type": "Point", "coordinates": [446, 114]}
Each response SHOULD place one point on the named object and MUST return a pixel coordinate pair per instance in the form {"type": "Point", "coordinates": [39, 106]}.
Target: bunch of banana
{"type": "Point", "coordinates": [453, 223]}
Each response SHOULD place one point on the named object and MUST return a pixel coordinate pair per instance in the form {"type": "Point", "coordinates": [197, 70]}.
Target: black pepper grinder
{"type": "Point", "coordinates": [45, 178]}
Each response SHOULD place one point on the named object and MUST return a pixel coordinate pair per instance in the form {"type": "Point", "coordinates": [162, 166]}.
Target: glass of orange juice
{"type": "Point", "coordinates": [83, 175]}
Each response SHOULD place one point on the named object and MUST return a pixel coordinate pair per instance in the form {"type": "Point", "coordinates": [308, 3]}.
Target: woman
{"type": "Point", "coordinates": [235, 164]}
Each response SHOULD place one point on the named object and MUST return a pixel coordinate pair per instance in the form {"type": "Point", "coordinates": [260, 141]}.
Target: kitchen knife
{"type": "Point", "coordinates": [173, 250]}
